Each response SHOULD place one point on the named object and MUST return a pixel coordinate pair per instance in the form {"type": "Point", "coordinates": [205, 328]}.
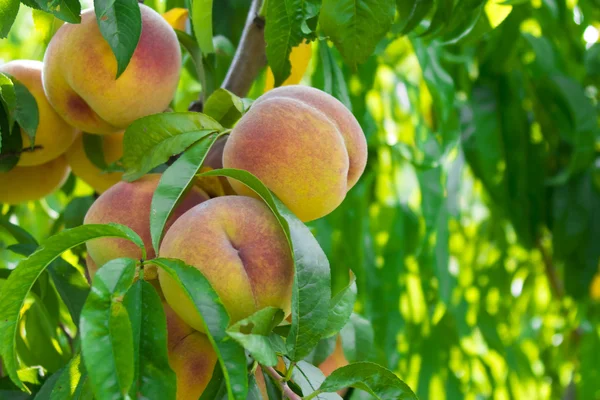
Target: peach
{"type": "Point", "coordinates": [128, 203]}
{"type": "Point", "coordinates": [239, 246]}
{"type": "Point", "coordinates": [191, 357]}
{"type": "Point", "coordinates": [80, 74]}
{"type": "Point", "coordinates": [83, 168]}
{"type": "Point", "coordinates": [303, 144]}
{"type": "Point", "coordinates": [22, 184]}
{"type": "Point", "coordinates": [53, 134]}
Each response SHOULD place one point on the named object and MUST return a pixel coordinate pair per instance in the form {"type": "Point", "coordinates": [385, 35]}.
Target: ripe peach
{"type": "Point", "coordinates": [303, 144]}
{"type": "Point", "coordinates": [80, 74]}
{"type": "Point", "coordinates": [191, 357]}
{"type": "Point", "coordinates": [53, 134]}
{"type": "Point", "coordinates": [22, 184]}
{"type": "Point", "coordinates": [129, 203]}
{"type": "Point", "coordinates": [239, 246]}
{"type": "Point", "coordinates": [82, 167]}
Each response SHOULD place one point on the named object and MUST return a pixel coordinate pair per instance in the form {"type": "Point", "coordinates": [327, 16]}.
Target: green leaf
{"type": "Point", "coordinates": [322, 351]}
{"type": "Point", "coordinates": [217, 387]}
{"type": "Point", "coordinates": [26, 111]}
{"type": "Point", "coordinates": [39, 342]}
{"type": "Point", "coordinates": [356, 26]}
{"type": "Point", "coordinates": [174, 183]}
{"type": "Point", "coordinates": [66, 10]}
{"type": "Point", "coordinates": [189, 43]}
{"type": "Point", "coordinates": [71, 383]}
{"type": "Point", "coordinates": [215, 319]}
{"type": "Point", "coordinates": [151, 140]}
{"type": "Point", "coordinates": [12, 145]}
{"type": "Point", "coordinates": [329, 77]}
{"type": "Point", "coordinates": [154, 375]}
{"type": "Point", "coordinates": [283, 31]}
{"type": "Point", "coordinates": [71, 285]}
{"type": "Point", "coordinates": [94, 150]}
{"type": "Point", "coordinates": [106, 332]}
{"type": "Point", "coordinates": [8, 102]}
{"type": "Point", "coordinates": [309, 378]}
{"type": "Point", "coordinates": [311, 291]}
{"type": "Point", "coordinates": [371, 378]}
{"type": "Point", "coordinates": [252, 333]}
{"type": "Point", "coordinates": [202, 11]}
{"type": "Point", "coordinates": [21, 281]}
{"type": "Point", "coordinates": [8, 13]}
{"type": "Point", "coordinates": [357, 339]}
{"type": "Point", "coordinates": [48, 387]}
{"type": "Point", "coordinates": [74, 212]}
{"type": "Point", "coordinates": [120, 23]}
{"type": "Point", "coordinates": [410, 14]}
{"type": "Point", "coordinates": [253, 389]}
{"type": "Point", "coordinates": [225, 107]}
{"type": "Point", "coordinates": [341, 308]}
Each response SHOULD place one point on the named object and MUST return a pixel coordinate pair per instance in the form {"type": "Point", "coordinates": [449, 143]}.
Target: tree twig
{"type": "Point", "coordinates": [250, 56]}
{"type": "Point", "coordinates": [287, 391]}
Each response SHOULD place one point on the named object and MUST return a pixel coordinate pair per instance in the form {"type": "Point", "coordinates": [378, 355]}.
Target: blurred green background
{"type": "Point", "coordinates": [474, 233]}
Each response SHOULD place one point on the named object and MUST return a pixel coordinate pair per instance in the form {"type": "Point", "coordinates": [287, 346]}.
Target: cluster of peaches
{"type": "Point", "coordinates": [302, 143]}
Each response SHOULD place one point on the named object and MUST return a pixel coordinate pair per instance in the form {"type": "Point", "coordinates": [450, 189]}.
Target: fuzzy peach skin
{"type": "Point", "coordinates": [128, 203]}
{"type": "Point", "coordinates": [80, 74]}
{"type": "Point", "coordinates": [303, 144]}
{"type": "Point", "coordinates": [191, 357]}
{"type": "Point", "coordinates": [83, 168]}
{"type": "Point", "coordinates": [22, 184]}
{"type": "Point", "coordinates": [53, 134]}
{"type": "Point", "coordinates": [241, 249]}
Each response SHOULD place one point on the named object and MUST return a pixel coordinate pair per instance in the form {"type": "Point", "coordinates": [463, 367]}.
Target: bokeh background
{"type": "Point", "coordinates": [474, 233]}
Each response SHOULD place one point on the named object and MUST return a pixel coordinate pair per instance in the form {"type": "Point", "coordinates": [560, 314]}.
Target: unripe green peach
{"type": "Point", "coordinates": [129, 203]}
{"type": "Point", "coordinates": [303, 144]}
{"type": "Point", "coordinates": [53, 134]}
{"type": "Point", "coordinates": [80, 74]}
{"type": "Point", "coordinates": [240, 247]}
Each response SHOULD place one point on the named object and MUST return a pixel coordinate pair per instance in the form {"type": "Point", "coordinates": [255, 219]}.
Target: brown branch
{"type": "Point", "coordinates": [250, 56]}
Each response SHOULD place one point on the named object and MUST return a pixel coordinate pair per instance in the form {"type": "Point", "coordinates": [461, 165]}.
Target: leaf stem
{"type": "Point", "coordinates": [313, 395]}
{"type": "Point", "coordinates": [285, 389]}
{"type": "Point", "coordinates": [288, 373]}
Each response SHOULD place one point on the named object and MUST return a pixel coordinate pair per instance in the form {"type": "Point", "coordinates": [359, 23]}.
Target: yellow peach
{"type": "Point", "coordinates": [53, 134]}
{"type": "Point", "coordinates": [80, 70]}
{"type": "Point", "coordinates": [303, 144]}
{"type": "Point", "coordinates": [22, 184]}
{"type": "Point", "coordinates": [191, 357]}
{"type": "Point", "coordinates": [239, 246]}
{"type": "Point", "coordinates": [86, 170]}
{"type": "Point", "coordinates": [128, 203]}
